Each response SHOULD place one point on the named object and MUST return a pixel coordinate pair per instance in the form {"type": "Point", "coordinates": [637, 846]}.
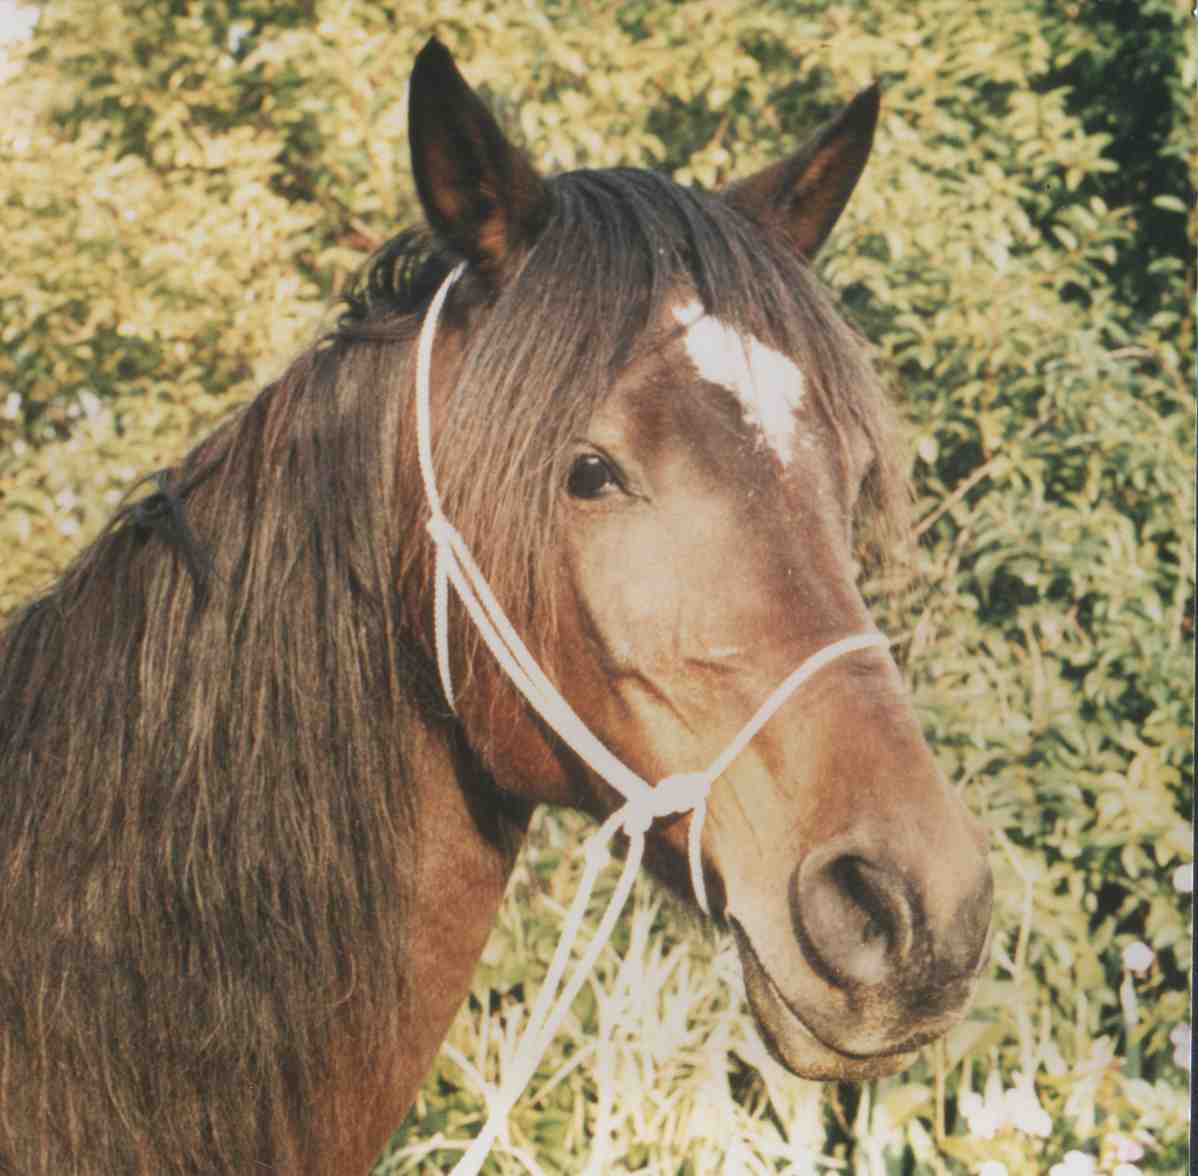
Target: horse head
{"type": "Point", "coordinates": [703, 437]}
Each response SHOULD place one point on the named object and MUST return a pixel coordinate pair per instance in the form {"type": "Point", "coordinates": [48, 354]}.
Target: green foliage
{"type": "Point", "coordinates": [183, 186]}
{"type": "Point", "coordinates": [1130, 48]}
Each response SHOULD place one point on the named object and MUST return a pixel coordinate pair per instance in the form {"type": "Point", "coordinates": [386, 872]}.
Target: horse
{"type": "Point", "coordinates": [251, 852]}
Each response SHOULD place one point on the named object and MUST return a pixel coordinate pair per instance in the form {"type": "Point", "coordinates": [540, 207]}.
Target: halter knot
{"type": "Point", "coordinates": [679, 793]}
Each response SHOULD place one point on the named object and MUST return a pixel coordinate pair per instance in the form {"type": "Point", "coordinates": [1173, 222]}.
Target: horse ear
{"type": "Point", "coordinates": [805, 194]}
{"type": "Point", "coordinates": [479, 192]}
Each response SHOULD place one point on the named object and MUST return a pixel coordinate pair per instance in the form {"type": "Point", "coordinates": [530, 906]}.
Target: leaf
{"type": "Point", "coordinates": [1170, 204]}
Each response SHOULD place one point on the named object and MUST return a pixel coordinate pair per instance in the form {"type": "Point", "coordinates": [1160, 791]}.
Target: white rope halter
{"type": "Point", "coordinates": [644, 803]}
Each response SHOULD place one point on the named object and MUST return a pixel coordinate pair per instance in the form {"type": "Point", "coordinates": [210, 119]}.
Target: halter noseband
{"type": "Point", "coordinates": [644, 803]}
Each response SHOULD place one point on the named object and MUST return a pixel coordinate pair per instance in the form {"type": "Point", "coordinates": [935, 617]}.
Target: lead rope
{"type": "Point", "coordinates": [643, 803]}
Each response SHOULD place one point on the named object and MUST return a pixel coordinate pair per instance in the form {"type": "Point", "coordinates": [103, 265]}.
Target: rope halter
{"type": "Point", "coordinates": [643, 803]}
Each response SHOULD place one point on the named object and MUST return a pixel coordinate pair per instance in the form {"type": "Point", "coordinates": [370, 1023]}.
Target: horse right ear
{"type": "Point", "coordinates": [480, 193]}
{"type": "Point", "coordinates": [805, 194]}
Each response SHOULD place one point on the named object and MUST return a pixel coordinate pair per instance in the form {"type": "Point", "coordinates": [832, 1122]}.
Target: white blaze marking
{"type": "Point", "coordinates": [767, 383]}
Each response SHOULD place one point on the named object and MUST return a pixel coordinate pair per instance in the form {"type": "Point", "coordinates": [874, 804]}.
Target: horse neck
{"type": "Point", "coordinates": [466, 839]}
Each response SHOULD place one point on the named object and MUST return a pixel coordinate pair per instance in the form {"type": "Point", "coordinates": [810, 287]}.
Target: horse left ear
{"type": "Point", "coordinates": [805, 194]}
{"type": "Point", "coordinates": [480, 193]}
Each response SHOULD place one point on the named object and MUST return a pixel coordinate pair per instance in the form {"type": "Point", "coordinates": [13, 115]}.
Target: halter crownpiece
{"type": "Point", "coordinates": [643, 802]}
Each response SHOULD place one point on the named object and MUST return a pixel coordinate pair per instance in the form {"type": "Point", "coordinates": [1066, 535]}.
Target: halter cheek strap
{"type": "Point", "coordinates": [643, 802]}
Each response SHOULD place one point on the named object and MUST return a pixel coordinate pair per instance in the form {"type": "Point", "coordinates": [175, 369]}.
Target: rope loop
{"type": "Point", "coordinates": [681, 793]}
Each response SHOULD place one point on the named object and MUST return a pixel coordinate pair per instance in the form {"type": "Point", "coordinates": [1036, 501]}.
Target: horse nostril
{"type": "Point", "coordinates": [853, 916]}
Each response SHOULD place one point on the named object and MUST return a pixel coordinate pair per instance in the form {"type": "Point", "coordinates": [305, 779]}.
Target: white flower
{"type": "Point", "coordinates": [12, 406]}
{"type": "Point", "coordinates": [1138, 957]}
{"type": "Point", "coordinates": [90, 403]}
{"type": "Point", "coordinates": [237, 33]}
{"type": "Point", "coordinates": [17, 21]}
{"type": "Point", "coordinates": [986, 1114]}
{"type": "Point", "coordinates": [992, 1168]}
{"type": "Point", "coordinates": [999, 254]}
{"type": "Point", "coordinates": [997, 1109]}
{"type": "Point", "coordinates": [1075, 1163]}
{"type": "Point", "coordinates": [1024, 1110]}
{"type": "Point", "coordinates": [1180, 1039]}
{"type": "Point", "coordinates": [1183, 879]}
{"type": "Point", "coordinates": [983, 1120]}
{"type": "Point", "coordinates": [1126, 1150]}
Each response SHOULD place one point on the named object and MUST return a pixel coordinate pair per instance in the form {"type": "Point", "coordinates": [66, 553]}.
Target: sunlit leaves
{"type": "Point", "coordinates": [183, 186]}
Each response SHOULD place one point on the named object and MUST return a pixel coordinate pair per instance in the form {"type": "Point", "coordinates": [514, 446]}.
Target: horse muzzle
{"type": "Point", "coordinates": [872, 970]}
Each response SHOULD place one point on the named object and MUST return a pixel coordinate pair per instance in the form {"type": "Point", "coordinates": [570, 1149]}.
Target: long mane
{"type": "Point", "coordinates": [206, 818]}
{"type": "Point", "coordinates": [206, 823]}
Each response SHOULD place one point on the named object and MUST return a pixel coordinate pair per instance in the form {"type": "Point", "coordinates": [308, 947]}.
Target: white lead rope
{"type": "Point", "coordinates": [643, 803]}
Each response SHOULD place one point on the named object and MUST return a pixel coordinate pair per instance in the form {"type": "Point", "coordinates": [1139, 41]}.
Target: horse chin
{"type": "Point", "coordinates": [794, 1045]}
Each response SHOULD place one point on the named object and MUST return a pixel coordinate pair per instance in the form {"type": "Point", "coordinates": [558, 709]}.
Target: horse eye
{"type": "Point", "coordinates": [590, 476]}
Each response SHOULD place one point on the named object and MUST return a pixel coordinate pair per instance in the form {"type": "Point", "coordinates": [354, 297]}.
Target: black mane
{"type": "Point", "coordinates": [398, 279]}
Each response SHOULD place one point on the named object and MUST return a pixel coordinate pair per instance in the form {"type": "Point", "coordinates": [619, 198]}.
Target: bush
{"type": "Point", "coordinates": [185, 187]}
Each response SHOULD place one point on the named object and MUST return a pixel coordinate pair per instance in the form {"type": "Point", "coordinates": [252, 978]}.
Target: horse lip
{"type": "Point", "coordinates": [804, 1052]}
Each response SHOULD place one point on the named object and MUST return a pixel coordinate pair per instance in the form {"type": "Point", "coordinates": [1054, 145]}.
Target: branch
{"type": "Point", "coordinates": [983, 471]}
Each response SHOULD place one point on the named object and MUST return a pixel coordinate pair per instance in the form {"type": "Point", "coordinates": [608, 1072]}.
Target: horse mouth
{"type": "Point", "coordinates": [792, 1043]}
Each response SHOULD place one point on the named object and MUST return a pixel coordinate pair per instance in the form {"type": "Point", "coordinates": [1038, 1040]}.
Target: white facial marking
{"type": "Point", "coordinates": [767, 383]}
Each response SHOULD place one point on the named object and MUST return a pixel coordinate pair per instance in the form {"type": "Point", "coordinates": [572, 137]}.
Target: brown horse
{"type": "Point", "coordinates": [250, 855]}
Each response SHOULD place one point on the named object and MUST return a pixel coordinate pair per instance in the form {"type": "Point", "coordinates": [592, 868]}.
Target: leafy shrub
{"type": "Point", "coordinates": [184, 187]}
